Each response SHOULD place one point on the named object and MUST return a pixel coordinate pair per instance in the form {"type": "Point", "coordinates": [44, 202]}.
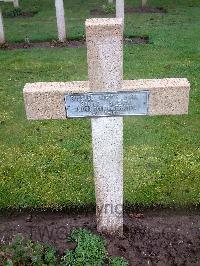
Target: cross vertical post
{"type": "Point", "coordinates": [120, 9]}
{"type": "Point", "coordinates": [16, 3]}
{"type": "Point", "coordinates": [2, 35]}
{"type": "Point", "coordinates": [105, 69]}
{"type": "Point", "coordinates": [60, 16]}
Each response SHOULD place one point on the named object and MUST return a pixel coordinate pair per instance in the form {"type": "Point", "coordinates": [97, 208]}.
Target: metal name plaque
{"type": "Point", "coordinates": [107, 104]}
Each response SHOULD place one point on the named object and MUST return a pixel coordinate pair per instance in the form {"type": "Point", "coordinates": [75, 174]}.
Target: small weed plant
{"type": "Point", "coordinates": [90, 250]}
{"type": "Point", "coordinates": [108, 8]}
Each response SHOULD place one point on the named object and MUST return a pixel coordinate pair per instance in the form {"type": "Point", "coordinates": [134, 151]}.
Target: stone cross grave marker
{"type": "Point", "coordinates": [106, 97]}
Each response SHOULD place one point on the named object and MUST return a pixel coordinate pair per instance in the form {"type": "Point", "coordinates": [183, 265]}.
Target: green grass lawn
{"type": "Point", "coordinates": [49, 163]}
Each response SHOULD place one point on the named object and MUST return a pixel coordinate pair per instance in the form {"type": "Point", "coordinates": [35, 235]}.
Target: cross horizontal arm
{"type": "Point", "coordinates": [45, 100]}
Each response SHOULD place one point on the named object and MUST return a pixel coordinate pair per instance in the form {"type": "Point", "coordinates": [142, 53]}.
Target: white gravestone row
{"type": "Point", "coordinates": [60, 17]}
{"type": "Point", "coordinates": [106, 97]}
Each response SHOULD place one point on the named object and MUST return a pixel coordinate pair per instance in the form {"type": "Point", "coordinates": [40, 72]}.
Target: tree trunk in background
{"type": "Point", "coordinates": [144, 2]}
{"type": "Point", "coordinates": [60, 16]}
{"type": "Point", "coordinates": [110, 1]}
{"type": "Point", "coordinates": [16, 3]}
{"type": "Point", "coordinates": [2, 36]}
{"type": "Point", "coordinates": [120, 9]}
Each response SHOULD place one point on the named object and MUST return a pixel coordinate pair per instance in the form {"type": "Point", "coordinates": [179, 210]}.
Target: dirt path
{"type": "Point", "coordinates": [151, 237]}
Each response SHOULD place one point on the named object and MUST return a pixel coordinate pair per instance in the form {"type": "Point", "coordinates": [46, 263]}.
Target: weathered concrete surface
{"type": "Point", "coordinates": [45, 100]}
{"type": "Point", "coordinates": [104, 53]}
{"type": "Point", "coordinates": [60, 16]}
{"type": "Point", "coordinates": [104, 39]}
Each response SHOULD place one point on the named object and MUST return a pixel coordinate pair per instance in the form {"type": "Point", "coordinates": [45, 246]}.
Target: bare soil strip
{"type": "Point", "coordinates": [69, 44]}
{"type": "Point", "coordinates": [151, 237]}
{"type": "Point", "coordinates": [160, 10]}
